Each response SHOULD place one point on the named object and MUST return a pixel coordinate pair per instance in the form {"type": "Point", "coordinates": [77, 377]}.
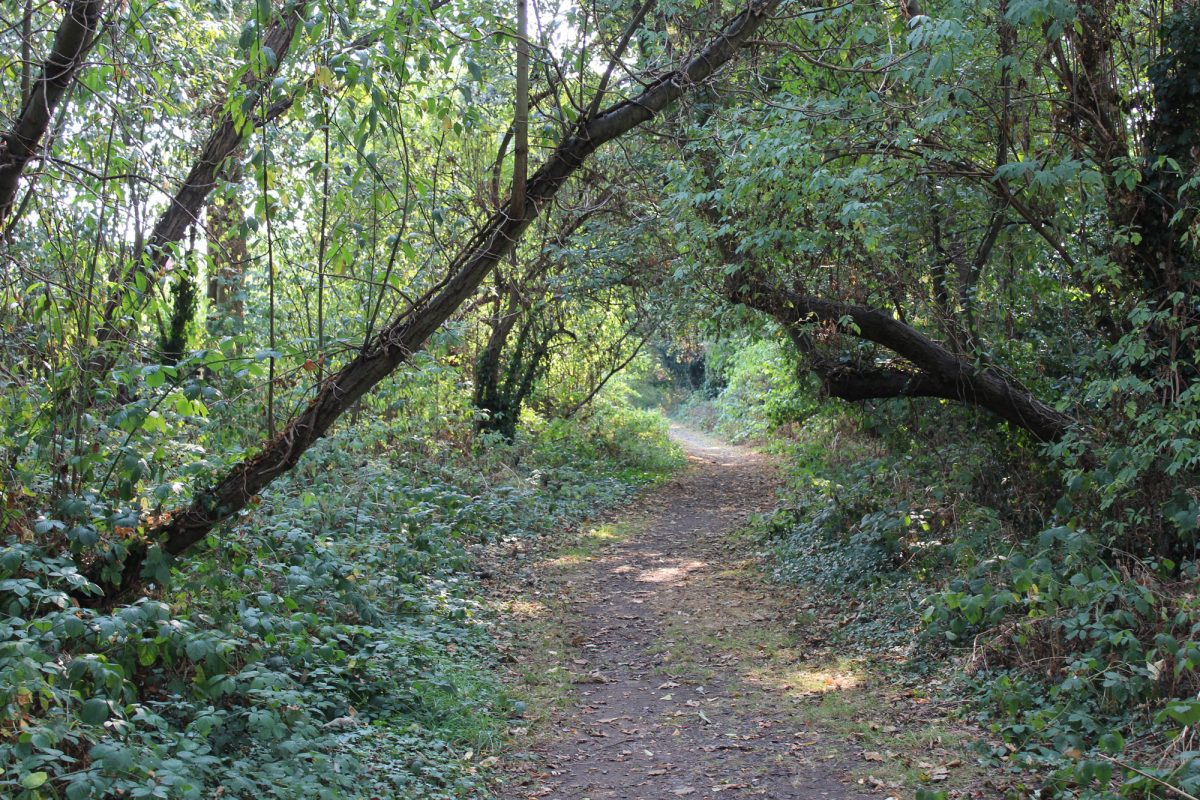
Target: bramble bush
{"type": "Point", "coordinates": [1063, 579]}
{"type": "Point", "coordinates": [331, 647]}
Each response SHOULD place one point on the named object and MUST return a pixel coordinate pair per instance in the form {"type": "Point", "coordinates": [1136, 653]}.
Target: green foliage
{"type": "Point", "coordinates": [756, 389]}
{"type": "Point", "coordinates": [1176, 91]}
{"type": "Point", "coordinates": [631, 442]}
{"type": "Point", "coordinates": [1078, 652]}
{"type": "Point", "coordinates": [1080, 657]}
{"type": "Point", "coordinates": [184, 303]}
{"type": "Point", "coordinates": [865, 518]}
{"type": "Point", "coordinates": [1014, 181]}
{"type": "Point", "coordinates": [1134, 490]}
{"type": "Point", "coordinates": [335, 646]}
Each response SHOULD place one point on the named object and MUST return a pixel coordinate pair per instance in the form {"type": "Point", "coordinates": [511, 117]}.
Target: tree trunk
{"type": "Point", "coordinates": [189, 200]}
{"type": "Point", "coordinates": [938, 372]}
{"type": "Point", "coordinates": [524, 369]}
{"type": "Point", "coordinates": [407, 331]}
{"type": "Point", "coordinates": [19, 144]}
{"type": "Point", "coordinates": [185, 291]}
{"type": "Point", "coordinates": [227, 259]}
{"type": "Point", "coordinates": [490, 364]}
{"type": "Point", "coordinates": [497, 391]}
{"type": "Point", "coordinates": [1159, 261]}
{"type": "Point", "coordinates": [521, 117]}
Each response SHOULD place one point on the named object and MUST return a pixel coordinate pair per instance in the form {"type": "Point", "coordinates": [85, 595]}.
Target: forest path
{"type": "Point", "coordinates": [662, 683]}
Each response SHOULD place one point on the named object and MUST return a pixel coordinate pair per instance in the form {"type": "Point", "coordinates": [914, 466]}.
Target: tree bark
{"type": "Point", "coordinates": [938, 372]}
{"type": "Point", "coordinates": [521, 117]}
{"type": "Point", "coordinates": [488, 367]}
{"type": "Point", "coordinates": [492, 394]}
{"type": "Point", "coordinates": [189, 200]}
{"type": "Point", "coordinates": [227, 260]}
{"type": "Point", "coordinates": [407, 331]}
{"type": "Point", "coordinates": [74, 38]}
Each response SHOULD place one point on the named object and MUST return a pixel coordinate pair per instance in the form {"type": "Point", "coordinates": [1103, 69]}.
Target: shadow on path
{"type": "Point", "coordinates": [660, 707]}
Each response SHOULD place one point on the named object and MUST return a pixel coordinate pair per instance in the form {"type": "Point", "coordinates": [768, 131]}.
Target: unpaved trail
{"type": "Point", "coordinates": [666, 703]}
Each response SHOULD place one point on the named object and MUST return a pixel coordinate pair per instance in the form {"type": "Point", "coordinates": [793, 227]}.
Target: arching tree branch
{"type": "Point", "coordinates": [937, 372]}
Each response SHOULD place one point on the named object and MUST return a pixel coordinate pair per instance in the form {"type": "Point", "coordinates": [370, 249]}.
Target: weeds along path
{"type": "Point", "coordinates": [656, 692]}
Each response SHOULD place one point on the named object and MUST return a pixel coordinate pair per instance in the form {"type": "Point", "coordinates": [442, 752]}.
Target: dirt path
{"type": "Point", "coordinates": [671, 635]}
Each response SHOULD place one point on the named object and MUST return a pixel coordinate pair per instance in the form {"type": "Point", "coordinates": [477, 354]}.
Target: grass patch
{"type": "Point", "coordinates": [590, 542]}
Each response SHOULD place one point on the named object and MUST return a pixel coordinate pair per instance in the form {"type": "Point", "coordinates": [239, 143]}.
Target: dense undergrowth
{"type": "Point", "coordinates": [333, 646]}
{"type": "Point", "coordinates": [227, 229]}
{"type": "Point", "coordinates": [1003, 566]}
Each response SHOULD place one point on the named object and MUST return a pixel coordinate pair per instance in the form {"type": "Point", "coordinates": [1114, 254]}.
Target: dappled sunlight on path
{"type": "Point", "coordinates": [660, 706]}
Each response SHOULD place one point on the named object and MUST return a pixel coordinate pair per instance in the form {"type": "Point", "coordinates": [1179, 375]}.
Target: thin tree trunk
{"type": "Point", "coordinates": [75, 36]}
{"type": "Point", "coordinates": [521, 117]}
{"type": "Point", "coordinates": [223, 142]}
{"type": "Point", "coordinates": [227, 259]}
{"type": "Point", "coordinates": [27, 49]}
{"type": "Point", "coordinates": [487, 395]}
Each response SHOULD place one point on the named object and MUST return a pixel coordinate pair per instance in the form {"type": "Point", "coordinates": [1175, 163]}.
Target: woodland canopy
{"type": "Point", "coordinates": [247, 247]}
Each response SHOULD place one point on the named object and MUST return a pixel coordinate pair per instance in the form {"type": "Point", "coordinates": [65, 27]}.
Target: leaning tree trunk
{"type": "Point", "coordinates": [72, 41]}
{"type": "Point", "coordinates": [407, 332]}
{"type": "Point", "coordinates": [223, 142]}
{"type": "Point", "coordinates": [935, 372]}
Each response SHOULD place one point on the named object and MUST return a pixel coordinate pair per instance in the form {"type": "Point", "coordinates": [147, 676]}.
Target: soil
{"type": "Point", "coordinates": [662, 635]}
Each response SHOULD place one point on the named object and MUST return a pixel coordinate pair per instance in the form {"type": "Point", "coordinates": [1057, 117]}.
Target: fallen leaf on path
{"type": "Point", "coordinates": [595, 676]}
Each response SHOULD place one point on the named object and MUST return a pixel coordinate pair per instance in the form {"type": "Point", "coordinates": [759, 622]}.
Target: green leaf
{"type": "Point", "coordinates": [94, 711]}
{"type": "Point", "coordinates": [1185, 712]}
{"type": "Point", "coordinates": [34, 779]}
{"type": "Point", "coordinates": [157, 566]}
{"type": "Point", "coordinates": [248, 35]}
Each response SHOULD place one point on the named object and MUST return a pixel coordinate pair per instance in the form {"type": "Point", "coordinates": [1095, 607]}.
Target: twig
{"type": "Point", "coordinates": [1159, 781]}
